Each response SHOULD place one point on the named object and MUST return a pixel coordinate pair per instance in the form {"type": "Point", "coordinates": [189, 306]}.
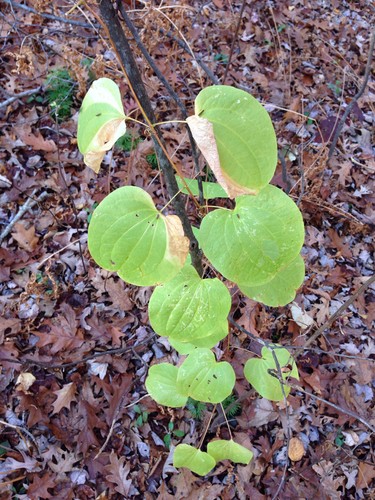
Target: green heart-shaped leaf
{"type": "Point", "coordinates": [189, 308]}
{"type": "Point", "coordinates": [162, 386]}
{"type": "Point", "coordinates": [281, 289]}
{"type": "Point", "coordinates": [204, 379]}
{"type": "Point", "coordinates": [257, 372]}
{"type": "Point", "coordinates": [237, 138]}
{"type": "Point", "coordinates": [229, 450]}
{"type": "Point", "coordinates": [197, 461]}
{"type": "Point", "coordinates": [127, 234]}
{"type": "Point", "coordinates": [101, 121]}
{"type": "Point", "coordinates": [184, 348]}
{"type": "Point", "coordinates": [253, 242]}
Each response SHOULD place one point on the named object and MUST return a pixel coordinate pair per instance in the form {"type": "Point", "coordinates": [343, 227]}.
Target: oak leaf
{"type": "Point", "coordinates": [118, 472]}
{"type": "Point", "coordinates": [65, 396]}
{"type": "Point", "coordinates": [26, 238]}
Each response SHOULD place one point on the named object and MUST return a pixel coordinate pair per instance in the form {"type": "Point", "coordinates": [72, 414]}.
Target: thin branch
{"type": "Point", "coordinates": [19, 96]}
{"type": "Point", "coordinates": [114, 420]}
{"type": "Point", "coordinates": [186, 48]}
{"type": "Point", "coordinates": [325, 401]}
{"type": "Point", "coordinates": [338, 313]}
{"type": "Point", "coordinates": [50, 16]}
{"type": "Point", "coordinates": [234, 40]}
{"type": "Point", "coordinates": [69, 196]}
{"type": "Point", "coordinates": [94, 355]}
{"type": "Point", "coordinates": [28, 205]}
{"type": "Point", "coordinates": [121, 44]}
{"type": "Point", "coordinates": [172, 93]}
{"type": "Point", "coordinates": [21, 430]}
{"type": "Point", "coordinates": [355, 98]}
{"type": "Point", "coordinates": [284, 172]}
{"type": "Point", "coordinates": [287, 413]}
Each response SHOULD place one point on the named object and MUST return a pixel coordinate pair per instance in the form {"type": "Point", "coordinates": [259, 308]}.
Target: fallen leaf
{"type": "Point", "coordinates": [65, 396]}
{"type": "Point", "coordinates": [302, 319]}
{"type": "Point", "coordinates": [36, 141]}
{"type": "Point", "coordinates": [366, 473]}
{"type": "Point", "coordinates": [264, 413]}
{"type": "Point", "coordinates": [118, 473]}
{"type": "Point", "coordinates": [26, 238]}
{"type": "Point", "coordinates": [296, 449]}
{"type": "Point", "coordinates": [25, 381]}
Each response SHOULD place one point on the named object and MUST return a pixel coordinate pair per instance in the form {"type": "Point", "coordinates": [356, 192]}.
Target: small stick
{"type": "Point", "coordinates": [325, 401]}
{"type": "Point", "coordinates": [338, 313]}
{"type": "Point", "coordinates": [21, 430]}
{"type": "Point", "coordinates": [50, 16]}
{"type": "Point", "coordinates": [28, 205]}
{"type": "Point", "coordinates": [234, 41]}
{"type": "Point", "coordinates": [354, 100]}
{"type": "Point", "coordinates": [18, 96]}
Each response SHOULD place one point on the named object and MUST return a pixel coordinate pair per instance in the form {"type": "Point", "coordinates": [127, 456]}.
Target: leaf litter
{"type": "Point", "coordinates": [305, 63]}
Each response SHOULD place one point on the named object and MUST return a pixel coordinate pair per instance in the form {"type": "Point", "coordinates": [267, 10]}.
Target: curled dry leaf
{"type": "Point", "coordinates": [24, 381]}
{"type": "Point", "coordinates": [178, 244]}
{"type": "Point", "coordinates": [104, 141]}
{"type": "Point", "coordinates": [296, 449]}
{"type": "Point", "coordinates": [203, 133]}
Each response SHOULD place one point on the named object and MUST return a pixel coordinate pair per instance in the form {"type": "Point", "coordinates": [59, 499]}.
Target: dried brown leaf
{"type": "Point", "coordinates": [26, 238]}
{"type": "Point", "coordinates": [65, 396]}
{"type": "Point", "coordinates": [118, 472]}
{"type": "Point", "coordinates": [296, 449]}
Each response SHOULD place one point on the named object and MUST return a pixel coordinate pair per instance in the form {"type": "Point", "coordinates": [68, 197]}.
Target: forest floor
{"type": "Point", "coordinates": [75, 341]}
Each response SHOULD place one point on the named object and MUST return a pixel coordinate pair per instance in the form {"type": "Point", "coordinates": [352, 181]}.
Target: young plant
{"type": "Point", "coordinates": [60, 91]}
{"type": "Point", "coordinates": [142, 416]}
{"type": "Point", "coordinates": [256, 245]}
{"type": "Point", "coordinates": [172, 432]}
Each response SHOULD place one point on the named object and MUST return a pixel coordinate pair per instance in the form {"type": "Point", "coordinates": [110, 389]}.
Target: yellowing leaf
{"type": "Point", "coordinates": [127, 234]}
{"type": "Point", "coordinates": [236, 136]}
{"type": "Point", "coordinates": [203, 133]}
{"type": "Point", "coordinates": [101, 121]}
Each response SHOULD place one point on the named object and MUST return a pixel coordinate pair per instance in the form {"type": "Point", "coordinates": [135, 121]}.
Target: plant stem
{"type": "Point", "coordinates": [121, 45]}
{"type": "Point", "coordinates": [348, 109]}
{"type": "Point", "coordinates": [172, 93]}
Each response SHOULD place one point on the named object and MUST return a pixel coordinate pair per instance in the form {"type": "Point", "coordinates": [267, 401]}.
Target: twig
{"type": "Point", "coordinates": [182, 44]}
{"type": "Point", "coordinates": [70, 198]}
{"type": "Point", "coordinates": [114, 420]}
{"type": "Point", "coordinates": [172, 93]}
{"type": "Point", "coordinates": [19, 96]}
{"type": "Point", "coordinates": [234, 41]}
{"type": "Point", "coordinates": [287, 413]}
{"type": "Point", "coordinates": [28, 205]}
{"type": "Point", "coordinates": [338, 313]}
{"type": "Point", "coordinates": [50, 16]}
{"type": "Point", "coordinates": [121, 45]}
{"type": "Point", "coordinates": [284, 172]}
{"type": "Point", "coordinates": [21, 430]}
{"type": "Point", "coordinates": [118, 350]}
{"type": "Point", "coordinates": [325, 401]}
{"type": "Point", "coordinates": [354, 100]}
